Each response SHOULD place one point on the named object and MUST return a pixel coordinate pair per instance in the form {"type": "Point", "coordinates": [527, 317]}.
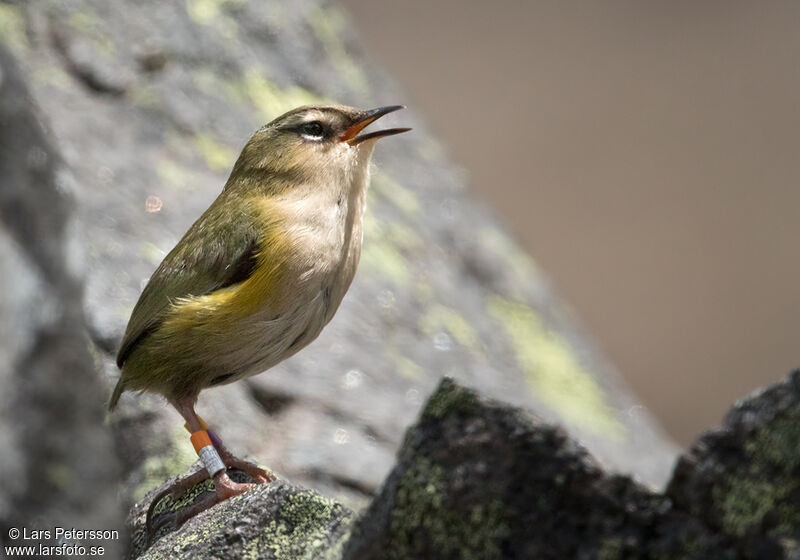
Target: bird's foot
{"type": "Point", "coordinates": [224, 488]}
{"type": "Point", "coordinates": [261, 476]}
{"type": "Point", "coordinates": [174, 491]}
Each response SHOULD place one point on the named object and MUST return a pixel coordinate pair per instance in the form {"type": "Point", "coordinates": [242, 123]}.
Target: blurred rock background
{"type": "Point", "coordinates": [645, 153]}
{"type": "Point", "coordinates": [58, 464]}
{"type": "Point", "coordinates": [145, 106]}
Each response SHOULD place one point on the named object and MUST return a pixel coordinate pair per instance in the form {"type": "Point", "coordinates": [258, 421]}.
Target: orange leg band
{"type": "Point", "coordinates": [207, 452]}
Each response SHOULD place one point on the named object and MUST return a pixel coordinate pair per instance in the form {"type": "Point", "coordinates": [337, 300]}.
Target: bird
{"type": "Point", "coordinates": [257, 277]}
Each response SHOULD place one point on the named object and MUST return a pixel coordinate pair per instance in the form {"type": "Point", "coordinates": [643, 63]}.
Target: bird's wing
{"type": "Point", "coordinates": [215, 253]}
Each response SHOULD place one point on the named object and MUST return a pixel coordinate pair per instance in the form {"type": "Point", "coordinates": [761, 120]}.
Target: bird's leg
{"type": "Point", "coordinates": [224, 487]}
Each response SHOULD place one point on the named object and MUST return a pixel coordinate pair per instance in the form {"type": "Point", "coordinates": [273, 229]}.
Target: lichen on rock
{"type": "Point", "coordinates": [272, 521]}
{"type": "Point", "coordinates": [479, 479]}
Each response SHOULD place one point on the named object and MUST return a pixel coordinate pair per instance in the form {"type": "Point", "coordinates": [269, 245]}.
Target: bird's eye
{"type": "Point", "coordinates": [312, 130]}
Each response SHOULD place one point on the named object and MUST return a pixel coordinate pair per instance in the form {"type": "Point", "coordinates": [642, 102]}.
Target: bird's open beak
{"type": "Point", "coordinates": [368, 117]}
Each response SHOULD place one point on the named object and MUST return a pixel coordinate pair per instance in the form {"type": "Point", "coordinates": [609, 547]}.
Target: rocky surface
{"type": "Point", "coordinates": [477, 479]}
{"type": "Point", "coordinates": [118, 124]}
{"type": "Point", "coordinates": [272, 522]}
{"type": "Point", "coordinates": [51, 413]}
{"type": "Point", "coordinates": [149, 102]}
{"type": "Point", "coordinates": [744, 479]}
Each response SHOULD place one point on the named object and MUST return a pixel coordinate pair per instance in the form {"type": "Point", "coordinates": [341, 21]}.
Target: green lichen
{"type": "Point", "coordinates": [329, 24]}
{"type": "Point", "coordinates": [432, 150]}
{"type": "Point", "coordinates": [144, 95]}
{"type": "Point", "coordinates": [270, 100]}
{"type": "Point", "coordinates": [91, 27]}
{"type": "Point", "coordinates": [84, 22]}
{"type": "Point", "coordinates": [439, 317]}
{"type": "Point", "coordinates": [152, 253]}
{"type": "Point", "coordinates": [299, 530]}
{"type": "Point", "coordinates": [421, 505]}
{"type": "Point", "coordinates": [553, 372]}
{"type": "Point", "coordinates": [404, 365]}
{"type": "Point", "coordinates": [691, 547]}
{"type": "Point", "coordinates": [214, 13]}
{"type": "Point", "coordinates": [401, 197]}
{"type": "Point", "coordinates": [173, 175]}
{"type": "Point", "coordinates": [402, 236]}
{"type": "Point", "coordinates": [449, 398]}
{"type": "Point", "coordinates": [61, 476]}
{"type": "Point", "coordinates": [98, 359]}
{"type": "Point", "coordinates": [210, 12]}
{"type": "Point", "coordinates": [386, 260]}
{"type": "Point", "coordinates": [611, 549]}
{"type": "Point", "coordinates": [767, 485]}
{"type": "Point", "coordinates": [50, 76]}
{"type": "Point", "coordinates": [185, 541]}
{"type": "Point", "coordinates": [384, 248]}
{"type": "Point", "coordinates": [218, 157]}
{"type": "Point", "coordinates": [208, 81]}
{"type": "Point", "coordinates": [745, 501]}
{"type": "Point", "coordinates": [424, 292]}
{"type": "Point", "coordinates": [162, 465]}
{"type": "Point", "coordinates": [13, 28]}
{"type": "Point", "coordinates": [778, 446]}
{"type": "Point", "coordinates": [170, 504]}
{"type": "Point", "coordinates": [519, 262]}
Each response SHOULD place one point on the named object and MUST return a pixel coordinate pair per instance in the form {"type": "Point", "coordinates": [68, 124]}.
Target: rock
{"type": "Point", "coordinates": [118, 124]}
{"type": "Point", "coordinates": [51, 413]}
{"type": "Point", "coordinates": [478, 479]}
{"type": "Point", "coordinates": [744, 479]}
{"type": "Point", "coordinates": [149, 103]}
{"type": "Point", "coordinates": [273, 521]}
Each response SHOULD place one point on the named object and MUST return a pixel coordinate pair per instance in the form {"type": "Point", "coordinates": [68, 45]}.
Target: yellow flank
{"type": "Point", "coordinates": [260, 292]}
{"type": "Point", "coordinates": [264, 288]}
{"type": "Point", "coordinates": [189, 312]}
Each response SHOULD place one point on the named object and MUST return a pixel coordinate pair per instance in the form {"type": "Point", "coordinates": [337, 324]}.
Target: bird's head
{"type": "Point", "coordinates": [311, 143]}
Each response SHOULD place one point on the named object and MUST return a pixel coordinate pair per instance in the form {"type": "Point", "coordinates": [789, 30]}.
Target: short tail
{"type": "Point", "coordinates": [118, 390]}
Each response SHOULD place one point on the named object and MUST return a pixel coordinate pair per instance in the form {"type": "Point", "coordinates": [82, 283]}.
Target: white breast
{"type": "Point", "coordinates": [324, 223]}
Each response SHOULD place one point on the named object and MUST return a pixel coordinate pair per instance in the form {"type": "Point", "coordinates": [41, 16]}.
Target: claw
{"type": "Point", "coordinates": [224, 488]}
{"type": "Point", "coordinates": [174, 491]}
{"type": "Point", "coordinates": [261, 476]}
